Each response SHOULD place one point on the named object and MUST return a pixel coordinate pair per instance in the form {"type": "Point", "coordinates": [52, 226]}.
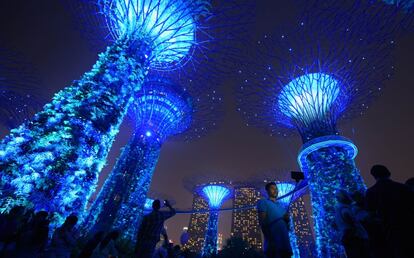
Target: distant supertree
{"type": "Point", "coordinates": [310, 77]}
{"type": "Point", "coordinates": [216, 193]}
{"type": "Point", "coordinates": [67, 143]}
{"type": "Point", "coordinates": [160, 110]}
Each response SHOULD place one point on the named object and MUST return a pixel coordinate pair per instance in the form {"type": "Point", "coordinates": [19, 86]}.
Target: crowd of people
{"type": "Point", "coordinates": [25, 234]}
{"type": "Point", "coordinates": [377, 223]}
{"type": "Point", "coordinates": [380, 222]}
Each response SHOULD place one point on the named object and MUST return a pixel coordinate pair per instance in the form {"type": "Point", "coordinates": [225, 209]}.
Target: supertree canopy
{"type": "Point", "coordinates": [160, 110]}
{"type": "Point", "coordinates": [216, 194]}
{"type": "Point", "coordinates": [311, 77]}
{"type": "Point", "coordinates": [53, 161]}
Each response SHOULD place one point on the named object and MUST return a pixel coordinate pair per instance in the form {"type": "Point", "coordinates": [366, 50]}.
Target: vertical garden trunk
{"type": "Point", "coordinates": [328, 163]}
{"type": "Point", "coordinates": [53, 162]}
{"type": "Point", "coordinates": [120, 203]}
{"type": "Point", "coordinates": [210, 241]}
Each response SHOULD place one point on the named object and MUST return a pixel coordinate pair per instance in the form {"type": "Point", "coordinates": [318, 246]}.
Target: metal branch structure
{"type": "Point", "coordinates": [66, 144]}
{"type": "Point", "coordinates": [160, 110]}
{"type": "Point", "coordinates": [310, 77]}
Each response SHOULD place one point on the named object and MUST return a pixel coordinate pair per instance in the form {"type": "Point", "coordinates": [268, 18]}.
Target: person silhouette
{"type": "Point", "coordinates": [33, 239]}
{"type": "Point", "coordinates": [273, 220]}
{"type": "Point", "coordinates": [91, 244]}
{"type": "Point", "coordinates": [64, 239]}
{"type": "Point", "coordinates": [150, 230]}
{"type": "Point", "coordinates": [392, 203]}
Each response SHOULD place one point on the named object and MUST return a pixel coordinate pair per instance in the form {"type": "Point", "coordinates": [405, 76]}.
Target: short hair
{"type": "Point", "coordinates": [268, 185]}
{"type": "Point", "coordinates": [380, 171]}
{"type": "Point", "coordinates": [156, 204]}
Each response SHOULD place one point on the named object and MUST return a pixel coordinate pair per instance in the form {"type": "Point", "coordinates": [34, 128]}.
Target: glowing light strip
{"type": "Point", "coordinates": [324, 142]}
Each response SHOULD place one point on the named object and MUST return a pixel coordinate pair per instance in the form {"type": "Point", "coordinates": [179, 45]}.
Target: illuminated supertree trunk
{"type": "Point", "coordinates": [120, 203]}
{"type": "Point", "coordinates": [328, 163]}
{"type": "Point", "coordinates": [53, 161]}
{"type": "Point", "coordinates": [210, 241]}
{"type": "Point", "coordinates": [216, 194]}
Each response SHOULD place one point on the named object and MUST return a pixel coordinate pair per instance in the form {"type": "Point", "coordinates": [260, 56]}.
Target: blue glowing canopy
{"type": "Point", "coordinates": [283, 189]}
{"type": "Point", "coordinates": [309, 97]}
{"type": "Point", "coordinates": [168, 26]}
{"type": "Point", "coordinates": [161, 109]}
{"type": "Point", "coordinates": [216, 194]}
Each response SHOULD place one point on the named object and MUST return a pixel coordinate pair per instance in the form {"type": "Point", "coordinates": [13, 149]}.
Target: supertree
{"type": "Point", "coordinates": [65, 145]}
{"type": "Point", "coordinates": [216, 193]}
{"type": "Point", "coordinates": [160, 110]}
{"type": "Point", "coordinates": [310, 77]}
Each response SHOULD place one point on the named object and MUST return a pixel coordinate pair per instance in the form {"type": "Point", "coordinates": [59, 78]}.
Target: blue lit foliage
{"type": "Point", "coordinates": [53, 161]}
{"type": "Point", "coordinates": [216, 195]}
{"type": "Point", "coordinates": [210, 240]}
{"type": "Point", "coordinates": [159, 110]}
{"type": "Point", "coordinates": [328, 168]}
{"type": "Point", "coordinates": [167, 26]}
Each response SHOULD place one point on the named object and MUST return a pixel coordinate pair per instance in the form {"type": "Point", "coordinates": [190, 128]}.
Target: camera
{"type": "Point", "coordinates": [297, 175]}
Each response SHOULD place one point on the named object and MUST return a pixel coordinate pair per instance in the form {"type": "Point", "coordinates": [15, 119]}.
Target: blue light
{"type": "Point", "coordinates": [283, 189]}
{"type": "Point", "coordinates": [148, 204]}
{"type": "Point", "coordinates": [161, 109]}
{"type": "Point", "coordinates": [216, 194]}
{"type": "Point", "coordinates": [167, 25]}
{"type": "Point", "coordinates": [309, 97]}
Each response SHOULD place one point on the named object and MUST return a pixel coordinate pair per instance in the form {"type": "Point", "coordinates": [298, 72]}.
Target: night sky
{"type": "Point", "coordinates": [43, 31]}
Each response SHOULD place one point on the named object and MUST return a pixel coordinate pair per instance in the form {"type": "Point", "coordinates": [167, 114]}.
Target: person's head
{"type": "Point", "coordinates": [156, 205]}
{"type": "Point", "coordinates": [410, 183]}
{"type": "Point", "coordinates": [380, 172]}
{"type": "Point", "coordinates": [71, 221]}
{"type": "Point", "coordinates": [343, 197]}
{"type": "Point", "coordinates": [271, 189]}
